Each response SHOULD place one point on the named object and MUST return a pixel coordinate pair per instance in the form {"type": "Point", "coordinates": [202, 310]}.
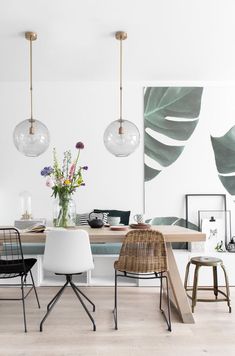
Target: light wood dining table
{"type": "Point", "coordinates": [171, 234]}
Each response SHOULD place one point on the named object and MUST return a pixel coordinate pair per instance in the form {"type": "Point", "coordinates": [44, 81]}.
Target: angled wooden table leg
{"type": "Point", "coordinates": [180, 299]}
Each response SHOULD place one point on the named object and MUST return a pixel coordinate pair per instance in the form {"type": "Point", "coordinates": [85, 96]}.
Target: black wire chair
{"type": "Point", "coordinates": [13, 264]}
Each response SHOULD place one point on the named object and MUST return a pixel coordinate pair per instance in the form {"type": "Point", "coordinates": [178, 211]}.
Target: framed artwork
{"type": "Point", "coordinates": [216, 224]}
{"type": "Point", "coordinates": [198, 202]}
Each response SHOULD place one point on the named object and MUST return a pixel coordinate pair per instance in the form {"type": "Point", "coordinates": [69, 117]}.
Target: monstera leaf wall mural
{"type": "Point", "coordinates": [224, 150]}
{"type": "Point", "coordinates": [173, 113]}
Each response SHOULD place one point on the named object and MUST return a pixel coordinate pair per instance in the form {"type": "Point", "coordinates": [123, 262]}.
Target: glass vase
{"type": "Point", "coordinates": [64, 212]}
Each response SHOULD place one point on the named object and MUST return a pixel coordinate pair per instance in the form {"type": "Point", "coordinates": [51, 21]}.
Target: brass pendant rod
{"type": "Point", "coordinates": [31, 36]}
{"type": "Point", "coordinates": [31, 128]}
{"type": "Point", "coordinates": [120, 35]}
{"type": "Point", "coordinates": [31, 80]}
{"type": "Point", "coordinates": [121, 87]}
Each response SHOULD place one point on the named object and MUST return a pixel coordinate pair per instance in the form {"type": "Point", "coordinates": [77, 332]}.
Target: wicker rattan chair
{"type": "Point", "coordinates": [143, 256]}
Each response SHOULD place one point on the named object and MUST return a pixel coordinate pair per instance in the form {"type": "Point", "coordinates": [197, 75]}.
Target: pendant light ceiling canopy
{"type": "Point", "coordinates": [121, 137]}
{"type": "Point", "coordinates": [31, 136]}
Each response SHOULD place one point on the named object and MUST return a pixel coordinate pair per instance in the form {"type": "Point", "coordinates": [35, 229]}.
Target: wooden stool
{"type": "Point", "coordinates": [208, 262]}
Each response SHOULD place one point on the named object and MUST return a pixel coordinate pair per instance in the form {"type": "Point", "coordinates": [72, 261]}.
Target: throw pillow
{"type": "Point", "coordinates": [124, 215]}
{"type": "Point", "coordinates": [81, 219]}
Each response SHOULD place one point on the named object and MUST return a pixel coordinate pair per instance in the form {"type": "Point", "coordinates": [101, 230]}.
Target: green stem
{"type": "Point", "coordinates": [62, 219]}
{"type": "Point", "coordinates": [75, 166]}
{"type": "Point", "coordinates": [64, 210]}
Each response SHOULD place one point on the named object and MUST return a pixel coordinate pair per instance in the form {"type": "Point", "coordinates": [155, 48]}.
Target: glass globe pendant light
{"type": "Point", "coordinates": [121, 137]}
{"type": "Point", "coordinates": [31, 136]}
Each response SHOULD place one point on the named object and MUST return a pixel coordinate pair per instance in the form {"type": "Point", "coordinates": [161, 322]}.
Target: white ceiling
{"type": "Point", "coordinates": [167, 39]}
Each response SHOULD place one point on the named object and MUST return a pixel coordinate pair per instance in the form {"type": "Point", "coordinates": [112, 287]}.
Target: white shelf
{"type": "Point", "coordinates": [103, 273]}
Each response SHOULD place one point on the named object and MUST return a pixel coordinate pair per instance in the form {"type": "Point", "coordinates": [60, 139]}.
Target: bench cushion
{"type": "Point", "coordinates": [33, 248]}
{"type": "Point", "coordinates": [106, 248]}
{"type": "Point", "coordinates": [96, 248]}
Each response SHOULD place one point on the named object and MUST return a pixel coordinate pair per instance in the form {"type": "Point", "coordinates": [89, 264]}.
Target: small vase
{"type": "Point", "coordinates": [64, 212]}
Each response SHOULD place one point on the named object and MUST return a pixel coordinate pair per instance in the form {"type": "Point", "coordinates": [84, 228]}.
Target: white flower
{"type": "Point", "coordinates": [49, 182]}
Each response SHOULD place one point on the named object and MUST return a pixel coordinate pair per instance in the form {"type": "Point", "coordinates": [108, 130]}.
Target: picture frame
{"type": "Point", "coordinates": [216, 224]}
{"type": "Point", "coordinates": [201, 201]}
{"type": "Point", "coordinates": [196, 202]}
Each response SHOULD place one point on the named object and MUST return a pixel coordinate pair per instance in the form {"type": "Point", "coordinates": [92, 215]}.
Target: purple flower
{"type": "Point", "coordinates": [85, 168]}
{"type": "Point", "coordinates": [79, 145]}
{"type": "Point", "coordinates": [47, 171]}
{"type": "Point", "coordinates": [50, 170]}
{"type": "Point", "coordinates": [43, 172]}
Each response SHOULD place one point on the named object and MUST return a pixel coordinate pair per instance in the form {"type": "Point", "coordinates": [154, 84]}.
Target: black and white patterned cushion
{"type": "Point", "coordinates": [81, 219]}
{"type": "Point", "coordinates": [105, 218]}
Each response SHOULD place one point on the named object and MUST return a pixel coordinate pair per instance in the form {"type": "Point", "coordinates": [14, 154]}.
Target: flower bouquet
{"type": "Point", "coordinates": [64, 180]}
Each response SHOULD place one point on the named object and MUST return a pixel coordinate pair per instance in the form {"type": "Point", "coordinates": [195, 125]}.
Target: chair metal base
{"type": "Point", "coordinates": [23, 295]}
{"type": "Point", "coordinates": [77, 292]}
{"type": "Point", "coordinates": [160, 276]}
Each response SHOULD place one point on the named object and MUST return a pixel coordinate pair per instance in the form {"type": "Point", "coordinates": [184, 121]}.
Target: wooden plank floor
{"type": "Point", "coordinates": [142, 330]}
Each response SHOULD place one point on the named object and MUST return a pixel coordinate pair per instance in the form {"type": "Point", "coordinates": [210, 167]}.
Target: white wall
{"type": "Point", "coordinates": [80, 112]}
{"type": "Point", "coordinates": [73, 112]}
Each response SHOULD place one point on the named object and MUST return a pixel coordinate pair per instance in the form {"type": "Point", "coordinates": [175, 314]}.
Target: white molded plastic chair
{"type": "Point", "coordinates": [68, 252]}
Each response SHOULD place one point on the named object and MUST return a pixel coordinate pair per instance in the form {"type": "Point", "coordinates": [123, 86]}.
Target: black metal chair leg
{"type": "Point", "coordinates": [115, 302]}
{"type": "Point", "coordinates": [168, 320]}
{"type": "Point", "coordinates": [84, 295]}
{"type": "Point", "coordinates": [35, 291]}
{"type": "Point", "coordinates": [161, 290]}
{"type": "Point", "coordinates": [84, 306]}
{"type": "Point", "coordinates": [23, 297]}
{"type": "Point", "coordinates": [168, 305]}
{"type": "Point", "coordinates": [159, 275]}
{"type": "Point", "coordinates": [56, 296]}
{"type": "Point", "coordinates": [52, 303]}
